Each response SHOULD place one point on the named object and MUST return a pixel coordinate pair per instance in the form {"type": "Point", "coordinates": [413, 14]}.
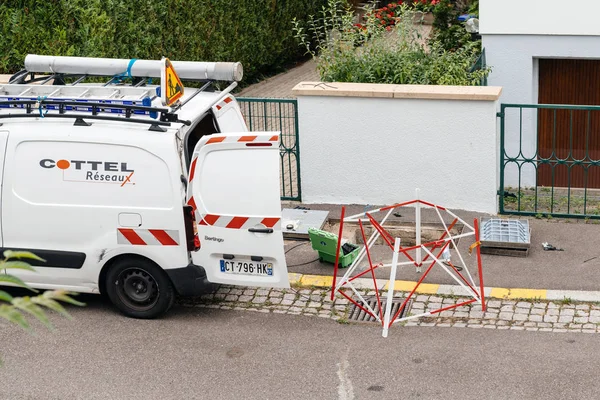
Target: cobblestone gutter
{"type": "Point", "coordinates": [543, 316]}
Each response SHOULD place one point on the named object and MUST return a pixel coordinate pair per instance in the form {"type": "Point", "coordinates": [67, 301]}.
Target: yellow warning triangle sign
{"type": "Point", "coordinates": [171, 87]}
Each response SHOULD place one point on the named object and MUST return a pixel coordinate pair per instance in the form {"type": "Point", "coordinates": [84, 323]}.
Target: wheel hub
{"type": "Point", "coordinates": [137, 288]}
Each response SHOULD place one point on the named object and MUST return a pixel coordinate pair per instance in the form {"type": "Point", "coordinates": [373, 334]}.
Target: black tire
{"type": "Point", "coordinates": [139, 288]}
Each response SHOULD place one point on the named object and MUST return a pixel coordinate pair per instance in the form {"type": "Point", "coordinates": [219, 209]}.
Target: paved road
{"type": "Point", "coordinates": [203, 353]}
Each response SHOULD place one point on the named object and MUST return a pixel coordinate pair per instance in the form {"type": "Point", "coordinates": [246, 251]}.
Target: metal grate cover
{"type": "Point", "coordinates": [358, 315]}
{"type": "Point", "coordinates": [299, 220]}
{"type": "Point", "coordinates": [506, 233]}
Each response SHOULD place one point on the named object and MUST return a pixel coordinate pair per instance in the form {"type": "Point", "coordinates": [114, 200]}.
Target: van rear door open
{"type": "Point", "coordinates": [234, 188]}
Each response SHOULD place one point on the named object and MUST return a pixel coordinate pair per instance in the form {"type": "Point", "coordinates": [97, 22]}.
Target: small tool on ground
{"type": "Point", "coordinates": [548, 247]}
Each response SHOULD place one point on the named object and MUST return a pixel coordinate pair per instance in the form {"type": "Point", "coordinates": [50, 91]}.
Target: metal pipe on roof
{"type": "Point", "coordinates": [186, 70]}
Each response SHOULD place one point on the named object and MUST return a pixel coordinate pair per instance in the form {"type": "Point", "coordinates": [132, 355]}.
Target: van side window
{"type": "Point", "coordinates": [206, 126]}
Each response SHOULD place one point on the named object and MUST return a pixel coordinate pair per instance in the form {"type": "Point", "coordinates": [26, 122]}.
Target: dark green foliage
{"type": "Point", "coordinates": [257, 33]}
{"type": "Point", "coordinates": [370, 53]}
{"type": "Point", "coordinates": [448, 31]}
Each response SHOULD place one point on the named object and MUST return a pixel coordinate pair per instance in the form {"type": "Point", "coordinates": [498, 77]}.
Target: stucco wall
{"type": "Point", "coordinates": [363, 146]}
{"type": "Point", "coordinates": [514, 63]}
{"type": "Point", "coordinates": [539, 17]}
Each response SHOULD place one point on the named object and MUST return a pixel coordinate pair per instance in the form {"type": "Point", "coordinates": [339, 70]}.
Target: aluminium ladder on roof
{"type": "Point", "coordinates": [20, 96]}
{"type": "Point", "coordinates": [114, 99]}
{"type": "Point", "coordinates": [76, 92]}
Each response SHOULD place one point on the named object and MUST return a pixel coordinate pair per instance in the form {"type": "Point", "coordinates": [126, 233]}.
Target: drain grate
{"type": "Point", "coordinates": [358, 315]}
{"type": "Point", "coordinates": [507, 233]}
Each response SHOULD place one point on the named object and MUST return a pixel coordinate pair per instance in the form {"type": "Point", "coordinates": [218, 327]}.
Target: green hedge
{"type": "Point", "coordinates": [257, 33]}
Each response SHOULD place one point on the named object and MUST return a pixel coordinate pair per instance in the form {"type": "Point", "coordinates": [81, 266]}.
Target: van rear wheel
{"type": "Point", "coordinates": [139, 288]}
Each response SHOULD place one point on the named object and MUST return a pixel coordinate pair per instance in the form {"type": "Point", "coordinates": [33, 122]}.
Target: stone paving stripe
{"type": "Point", "coordinates": [576, 295]}
{"type": "Point", "coordinates": [527, 293]}
{"type": "Point", "coordinates": [452, 290]}
{"type": "Point", "coordinates": [316, 280]}
{"type": "Point", "coordinates": [407, 286]}
{"type": "Point", "coordinates": [294, 278]}
{"type": "Point", "coordinates": [499, 293]}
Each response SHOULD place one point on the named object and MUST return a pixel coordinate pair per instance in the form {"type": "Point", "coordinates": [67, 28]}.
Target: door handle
{"type": "Point", "coordinates": [261, 230]}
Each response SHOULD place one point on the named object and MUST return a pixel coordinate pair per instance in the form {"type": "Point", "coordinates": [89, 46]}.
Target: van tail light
{"type": "Point", "coordinates": [191, 229]}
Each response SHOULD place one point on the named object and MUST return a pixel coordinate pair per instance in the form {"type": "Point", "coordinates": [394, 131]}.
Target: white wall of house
{"type": "Point", "coordinates": [515, 35]}
{"type": "Point", "coordinates": [539, 17]}
{"type": "Point", "coordinates": [375, 144]}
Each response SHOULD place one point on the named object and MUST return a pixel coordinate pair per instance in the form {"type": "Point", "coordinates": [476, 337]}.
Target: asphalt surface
{"type": "Point", "coordinates": [198, 353]}
{"type": "Point", "coordinates": [575, 268]}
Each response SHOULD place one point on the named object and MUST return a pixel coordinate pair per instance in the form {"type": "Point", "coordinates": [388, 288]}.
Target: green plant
{"type": "Point", "coordinates": [474, 8]}
{"type": "Point", "coordinates": [372, 55]}
{"type": "Point", "coordinates": [14, 309]}
{"type": "Point", "coordinates": [424, 5]}
{"type": "Point", "coordinates": [447, 30]}
{"type": "Point", "coordinates": [256, 33]}
{"type": "Point", "coordinates": [566, 301]}
{"type": "Point", "coordinates": [389, 14]}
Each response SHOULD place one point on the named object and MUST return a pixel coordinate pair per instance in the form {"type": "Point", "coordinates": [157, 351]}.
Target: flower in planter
{"type": "Point", "coordinates": [424, 5]}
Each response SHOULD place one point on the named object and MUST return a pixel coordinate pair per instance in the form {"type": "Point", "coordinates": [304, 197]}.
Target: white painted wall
{"type": "Point", "coordinates": [539, 17]}
{"type": "Point", "coordinates": [357, 150]}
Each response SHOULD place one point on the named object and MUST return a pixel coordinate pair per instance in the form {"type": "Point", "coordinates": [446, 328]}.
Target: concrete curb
{"type": "Point", "coordinates": [452, 290]}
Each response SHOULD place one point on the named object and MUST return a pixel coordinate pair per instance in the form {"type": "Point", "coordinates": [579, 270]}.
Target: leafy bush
{"type": "Point", "coordinates": [256, 33]}
{"type": "Point", "coordinates": [389, 14]}
{"type": "Point", "coordinates": [371, 54]}
{"type": "Point", "coordinates": [447, 30]}
{"type": "Point", "coordinates": [13, 309]}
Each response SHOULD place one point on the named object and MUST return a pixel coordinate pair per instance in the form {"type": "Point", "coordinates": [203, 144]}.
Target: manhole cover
{"type": "Point", "coordinates": [358, 315]}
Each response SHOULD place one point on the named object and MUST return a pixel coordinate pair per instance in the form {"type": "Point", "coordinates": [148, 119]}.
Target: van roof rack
{"type": "Point", "coordinates": [70, 100]}
{"type": "Point", "coordinates": [39, 109]}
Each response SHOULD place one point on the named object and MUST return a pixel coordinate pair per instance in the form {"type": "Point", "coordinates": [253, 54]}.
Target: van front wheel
{"type": "Point", "coordinates": [139, 289]}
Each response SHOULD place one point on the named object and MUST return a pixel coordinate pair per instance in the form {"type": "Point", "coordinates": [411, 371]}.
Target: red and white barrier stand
{"type": "Point", "coordinates": [415, 255]}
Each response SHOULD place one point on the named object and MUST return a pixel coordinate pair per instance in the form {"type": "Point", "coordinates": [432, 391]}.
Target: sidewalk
{"type": "Point", "coordinates": [281, 85]}
{"type": "Point", "coordinates": [573, 273]}
{"type": "Point", "coordinates": [501, 314]}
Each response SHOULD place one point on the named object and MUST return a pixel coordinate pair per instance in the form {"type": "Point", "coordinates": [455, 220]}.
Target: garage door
{"type": "Point", "coordinates": [569, 135]}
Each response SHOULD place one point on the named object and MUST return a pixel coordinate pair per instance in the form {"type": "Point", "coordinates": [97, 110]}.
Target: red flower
{"type": "Point", "coordinates": [389, 28]}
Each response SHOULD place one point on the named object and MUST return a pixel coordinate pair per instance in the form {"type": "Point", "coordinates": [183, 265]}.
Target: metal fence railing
{"type": "Point", "coordinates": [278, 115]}
{"type": "Point", "coordinates": [479, 64]}
{"type": "Point", "coordinates": [550, 160]}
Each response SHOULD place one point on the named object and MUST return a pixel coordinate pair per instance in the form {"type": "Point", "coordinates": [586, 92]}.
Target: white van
{"type": "Point", "coordinates": [124, 196]}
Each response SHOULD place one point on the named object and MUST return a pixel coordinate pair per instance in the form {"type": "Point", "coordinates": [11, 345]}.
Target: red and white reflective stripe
{"type": "Point", "coordinates": [193, 168]}
{"type": "Point", "coordinates": [222, 104]}
{"type": "Point", "coordinates": [148, 237]}
{"type": "Point", "coordinates": [243, 139]}
{"type": "Point", "coordinates": [234, 222]}
{"type": "Point", "coordinates": [192, 203]}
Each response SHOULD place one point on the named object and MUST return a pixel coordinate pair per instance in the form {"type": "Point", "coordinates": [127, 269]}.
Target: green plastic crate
{"type": "Point", "coordinates": [325, 243]}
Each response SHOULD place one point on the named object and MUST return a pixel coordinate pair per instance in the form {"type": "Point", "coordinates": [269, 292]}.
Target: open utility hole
{"type": "Point", "coordinates": [404, 230]}
{"type": "Point", "coordinates": [407, 233]}
{"type": "Point", "coordinates": [358, 315]}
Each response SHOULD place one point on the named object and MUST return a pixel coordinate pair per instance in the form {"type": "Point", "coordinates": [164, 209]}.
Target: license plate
{"type": "Point", "coordinates": [246, 268]}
